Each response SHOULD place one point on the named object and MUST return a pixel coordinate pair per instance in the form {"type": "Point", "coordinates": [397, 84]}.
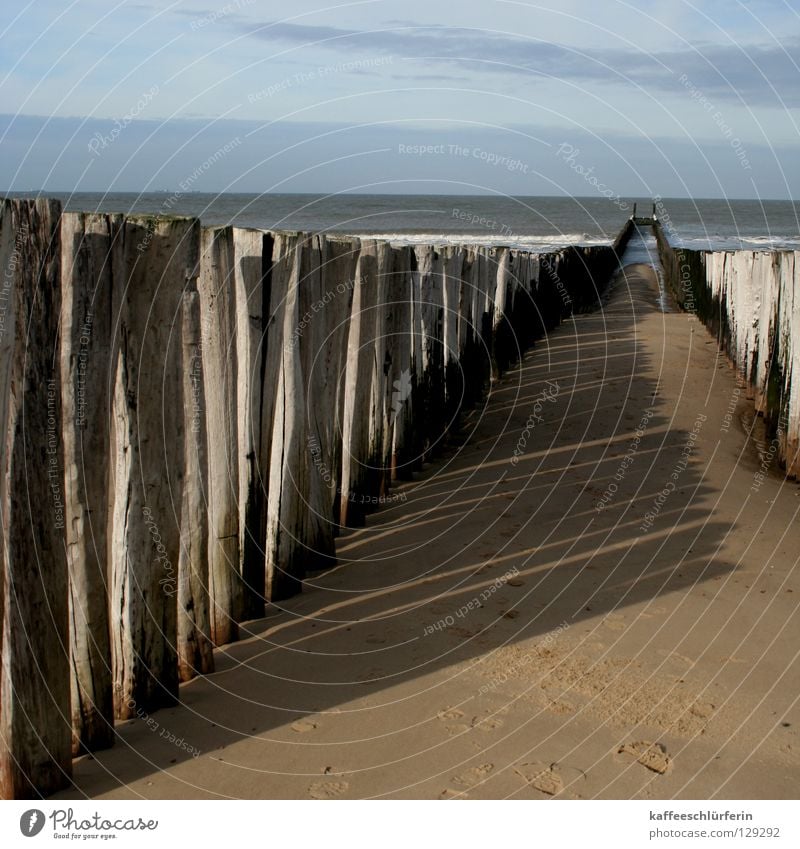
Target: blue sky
{"type": "Point", "coordinates": [639, 98]}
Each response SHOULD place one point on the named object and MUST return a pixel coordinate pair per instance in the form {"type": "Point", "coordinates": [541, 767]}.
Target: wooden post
{"type": "Point", "coordinates": [401, 368]}
{"type": "Point", "coordinates": [35, 718]}
{"type": "Point", "coordinates": [284, 568]}
{"type": "Point", "coordinates": [249, 287]}
{"type": "Point", "coordinates": [90, 259]}
{"type": "Point", "coordinates": [195, 649]}
{"type": "Point", "coordinates": [218, 310]}
{"type": "Point", "coordinates": [358, 387]}
{"type": "Point", "coordinates": [147, 460]}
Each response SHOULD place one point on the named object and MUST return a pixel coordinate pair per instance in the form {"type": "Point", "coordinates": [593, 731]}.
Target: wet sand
{"type": "Point", "coordinates": [613, 615]}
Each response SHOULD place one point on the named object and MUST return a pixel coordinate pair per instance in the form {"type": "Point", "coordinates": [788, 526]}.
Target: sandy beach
{"type": "Point", "coordinates": [590, 594]}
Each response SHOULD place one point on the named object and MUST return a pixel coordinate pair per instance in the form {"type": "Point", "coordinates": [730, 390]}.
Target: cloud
{"type": "Point", "coordinates": [757, 75]}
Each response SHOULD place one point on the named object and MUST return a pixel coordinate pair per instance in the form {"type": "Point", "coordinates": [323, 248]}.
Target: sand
{"type": "Point", "coordinates": [516, 626]}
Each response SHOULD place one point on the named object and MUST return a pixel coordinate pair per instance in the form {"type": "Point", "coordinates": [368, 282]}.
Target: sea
{"type": "Point", "coordinates": [536, 223]}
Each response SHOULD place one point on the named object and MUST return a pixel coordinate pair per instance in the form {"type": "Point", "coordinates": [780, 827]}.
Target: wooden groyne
{"type": "Point", "coordinates": [192, 413]}
{"type": "Point", "coordinates": [750, 301]}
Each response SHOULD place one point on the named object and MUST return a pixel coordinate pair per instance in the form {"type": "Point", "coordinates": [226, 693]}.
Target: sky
{"type": "Point", "coordinates": [668, 98]}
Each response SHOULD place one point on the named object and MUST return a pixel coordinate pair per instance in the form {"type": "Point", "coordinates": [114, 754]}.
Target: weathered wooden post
{"type": "Point", "coordinates": [359, 379]}
{"type": "Point", "coordinates": [218, 310]}
{"type": "Point", "coordinates": [90, 259]}
{"type": "Point", "coordinates": [287, 463]}
{"type": "Point", "coordinates": [195, 648]}
{"type": "Point", "coordinates": [249, 284]}
{"type": "Point", "coordinates": [35, 718]}
{"type": "Point", "coordinates": [147, 458]}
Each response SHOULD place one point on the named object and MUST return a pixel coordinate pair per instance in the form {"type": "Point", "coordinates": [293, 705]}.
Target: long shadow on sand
{"type": "Point", "coordinates": [529, 530]}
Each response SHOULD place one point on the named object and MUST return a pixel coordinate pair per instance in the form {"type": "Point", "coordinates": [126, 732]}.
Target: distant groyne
{"type": "Point", "coordinates": [191, 413]}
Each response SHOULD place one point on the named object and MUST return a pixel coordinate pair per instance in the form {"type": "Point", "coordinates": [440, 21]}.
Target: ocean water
{"type": "Point", "coordinates": [531, 222]}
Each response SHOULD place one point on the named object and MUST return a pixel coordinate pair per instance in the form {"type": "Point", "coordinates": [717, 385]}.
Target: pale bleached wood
{"type": "Point", "coordinates": [401, 377]}
{"type": "Point", "coordinates": [90, 259]}
{"type": "Point", "coordinates": [287, 464]}
{"type": "Point", "coordinates": [195, 647]}
{"type": "Point", "coordinates": [377, 469]}
{"type": "Point", "coordinates": [249, 294]}
{"type": "Point", "coordinates": [359, 374]}
{"type": "Point", "coordinates": [216, 285]}
{"type": "Point", "coordinates": [160, 255]}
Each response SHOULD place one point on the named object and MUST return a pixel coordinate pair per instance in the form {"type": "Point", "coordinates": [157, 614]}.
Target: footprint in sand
{"type": "Point", "coordinates": [372, 675]}
{"type": "Point", "coordinates": [487, 723]}
{"type": "Point", "coordinates": [651, 755]}
{"type": "Point", "coordinates": [447, 714]}
{"type": "Point", "coordinates": [327, 789]}
{"type": "Point", "coordinates": [542, 777]}
{"type": "Point", "coordinates": [675, 657]}
{"type": "Point", "coordinates": [561, 706]}
{"type": "Point", "coordinates": [472, 776]}
{"type": "Point", "coordinates": [447, 793]}
{"type": "Point", "coordinates": [304, 725]}
{"type": "Point", "coordinates": [703, 710]}
{"type": "Point", "coordinates": [455, 730]}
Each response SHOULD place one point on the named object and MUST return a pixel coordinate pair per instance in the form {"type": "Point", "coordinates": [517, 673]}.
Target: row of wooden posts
{"type": "Point", "coordinates": [190, 414]}
{"type": "Point", "coordinates": [750, 301]}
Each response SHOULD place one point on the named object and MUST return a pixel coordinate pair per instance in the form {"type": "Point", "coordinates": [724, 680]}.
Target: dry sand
{"type": "Point", "coordinates": [591, 658]}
